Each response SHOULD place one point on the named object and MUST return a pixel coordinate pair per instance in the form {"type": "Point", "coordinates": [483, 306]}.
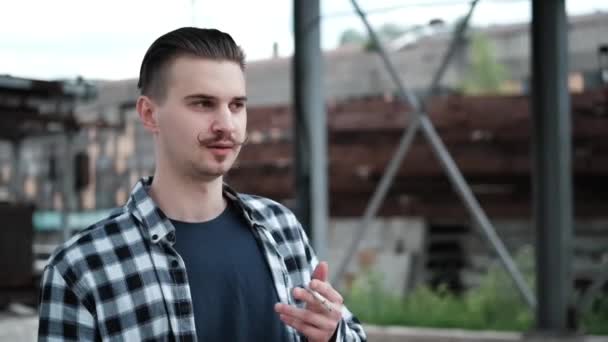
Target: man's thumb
{"type": "Point", "coordinates": [321, 271]}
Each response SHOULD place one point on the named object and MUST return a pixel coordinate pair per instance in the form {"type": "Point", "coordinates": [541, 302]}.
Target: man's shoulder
{"type": "Point", "coordinates": [287, 233]}
{"type": "Point", "coordinates": [262, 203]}
{"type": "Point", "coordinates": [269, 212]}
{"type": "Point", "coordinates": [88, 242]}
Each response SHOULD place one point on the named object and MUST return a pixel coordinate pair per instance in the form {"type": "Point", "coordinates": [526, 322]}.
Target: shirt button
{"type": "Point", "coordinates": [174, 263]}
{"type": "Point", "coordinates": [171, 237]}
{"type": "Point", "coordinates": [154, 238]}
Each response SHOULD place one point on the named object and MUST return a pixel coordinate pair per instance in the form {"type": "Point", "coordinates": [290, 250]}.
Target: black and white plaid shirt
{"type": "Point", "coordinates": [122, 280]}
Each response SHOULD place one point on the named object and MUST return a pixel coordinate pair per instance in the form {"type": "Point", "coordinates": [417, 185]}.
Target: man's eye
{"type": "Point", "coordinates": [238, 105]}
{"type": "Point", "coordinates": [204, 104]}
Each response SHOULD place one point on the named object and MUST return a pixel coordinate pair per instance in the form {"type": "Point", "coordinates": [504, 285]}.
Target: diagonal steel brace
{"type": "Point", "coordinates": [421, 120]}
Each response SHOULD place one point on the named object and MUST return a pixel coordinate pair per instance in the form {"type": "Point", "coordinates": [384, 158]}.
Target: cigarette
{"type": "Point", "coordinates": [326, 304]}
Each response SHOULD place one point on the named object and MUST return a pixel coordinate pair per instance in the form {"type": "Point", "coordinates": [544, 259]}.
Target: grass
{"type": "Point", "coordinates": [596, 321]}
{"type": "Point", "coordinates": [494, 305]}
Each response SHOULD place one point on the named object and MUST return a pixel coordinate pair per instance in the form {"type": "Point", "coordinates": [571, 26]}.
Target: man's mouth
{"type": "Point", "coordinates": [221, 146]}
{"type": "Point", "coordinates": [221, 149]}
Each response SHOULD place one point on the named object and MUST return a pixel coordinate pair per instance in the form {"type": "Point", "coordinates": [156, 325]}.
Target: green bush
{"type": "Point", "coordinates": [596, 320]}
{"type": "Point", "coordinates": [494, 305]}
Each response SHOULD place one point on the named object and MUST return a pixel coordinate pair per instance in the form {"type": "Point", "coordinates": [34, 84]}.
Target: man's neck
{"type": "Point", "coordinates": [187, 200]}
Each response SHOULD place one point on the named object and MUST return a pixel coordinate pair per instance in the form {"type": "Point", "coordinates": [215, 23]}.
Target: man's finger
{"type": "Point", "coordinates": [321, 271]}
{"type": "Point", "coordinates": [305, 296]}
{"type": "Point", "coordinates": [326, 290]}
{"type": "Point", "coordinates": [311, 332]}
{"type": "Point", "coordinates": [306, 316]}
{"type": "Point", "coordinates": [312, 303]}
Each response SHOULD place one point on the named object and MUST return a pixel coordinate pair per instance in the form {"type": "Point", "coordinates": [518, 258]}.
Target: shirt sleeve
{"type": "Point", "coordinates": [62, 315]}
{"type": "Point", "coordinates": [350, 328]}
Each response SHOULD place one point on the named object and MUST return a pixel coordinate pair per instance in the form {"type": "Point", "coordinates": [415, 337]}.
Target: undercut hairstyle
{"type": "Point", "coordinates": [186, 41]}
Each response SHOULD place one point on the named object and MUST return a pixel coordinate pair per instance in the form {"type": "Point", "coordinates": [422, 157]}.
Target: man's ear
{"type": "Point", "coordinates": [146, 109]}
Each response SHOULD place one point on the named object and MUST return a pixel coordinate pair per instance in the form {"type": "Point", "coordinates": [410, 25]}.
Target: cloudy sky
{"type": "Point", "coordinates": [107, 39]}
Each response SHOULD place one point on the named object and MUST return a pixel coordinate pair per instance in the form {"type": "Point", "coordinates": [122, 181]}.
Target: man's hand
{"type": "Point", "coordinates": [315, 321]}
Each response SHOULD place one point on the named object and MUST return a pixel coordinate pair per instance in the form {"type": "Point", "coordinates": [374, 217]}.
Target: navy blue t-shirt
{"type": "Point", "coordinates": [232, 289]}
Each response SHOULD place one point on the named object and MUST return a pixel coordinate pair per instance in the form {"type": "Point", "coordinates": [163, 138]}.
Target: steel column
{"type": "Point", "coordinates": [310, 125]}
{"type": "Point", "coordinates": [552, 171]}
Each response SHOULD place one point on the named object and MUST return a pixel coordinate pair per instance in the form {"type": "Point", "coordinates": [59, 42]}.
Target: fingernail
{"type": "Point", "coordinates": [299, 289]}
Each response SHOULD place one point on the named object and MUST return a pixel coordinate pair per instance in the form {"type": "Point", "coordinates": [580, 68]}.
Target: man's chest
{"type": "Point", "coordinates": [156, 297]}
{"type": "Point", "coordinates": [232, 288]}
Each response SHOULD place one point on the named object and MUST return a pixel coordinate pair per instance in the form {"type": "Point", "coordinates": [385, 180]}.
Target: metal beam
{"type": "Point", "coordinates": [310, 124]}
{"type": "Point", "coordinates": [552, 174]}
{"type": "Point", "coordinates": [67, 194]}
{"type": "Point", "coordinates": [17, 172]}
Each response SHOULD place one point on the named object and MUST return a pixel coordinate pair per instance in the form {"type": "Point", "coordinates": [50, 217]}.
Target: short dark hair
{"type": "Point", "coordinates": [193, 41]}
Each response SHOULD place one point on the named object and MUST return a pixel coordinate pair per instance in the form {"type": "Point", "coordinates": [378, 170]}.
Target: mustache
{"type": "Point", "coordinates": [223, 138]}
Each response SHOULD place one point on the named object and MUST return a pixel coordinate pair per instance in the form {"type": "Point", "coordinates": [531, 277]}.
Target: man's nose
{"type": "Point", "coordinates": [223, 121]}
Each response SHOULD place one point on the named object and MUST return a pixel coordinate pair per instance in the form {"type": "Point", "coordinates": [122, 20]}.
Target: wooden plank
{"type": "Point", "coordinates": [494, 113]}
{"type": "Point", "coordinates": [476, 159]}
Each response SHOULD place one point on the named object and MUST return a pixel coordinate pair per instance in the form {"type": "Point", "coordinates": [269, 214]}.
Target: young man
{"type": "Point", "coordinates": [187, 258]}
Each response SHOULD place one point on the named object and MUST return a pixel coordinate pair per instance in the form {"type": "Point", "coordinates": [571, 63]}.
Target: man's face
{"type": "Point", "coordinates": [202, 120]}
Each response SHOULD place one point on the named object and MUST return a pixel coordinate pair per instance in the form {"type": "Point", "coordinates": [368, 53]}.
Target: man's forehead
{"type": "Point", "coordinates": [218, 78]}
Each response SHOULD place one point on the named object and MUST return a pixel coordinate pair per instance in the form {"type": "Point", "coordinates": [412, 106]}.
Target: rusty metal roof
{"type": "Point", "coordinates": [30, 107]}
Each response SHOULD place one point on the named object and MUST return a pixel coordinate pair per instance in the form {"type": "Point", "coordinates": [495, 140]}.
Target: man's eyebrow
{"type": "Point", "coordinates": [201, 96]}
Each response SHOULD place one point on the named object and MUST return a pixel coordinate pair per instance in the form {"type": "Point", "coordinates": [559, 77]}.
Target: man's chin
{"type": "Point", "coordinates": [208, 170]}
{"type": "Point", "coordinates": [213, 173]}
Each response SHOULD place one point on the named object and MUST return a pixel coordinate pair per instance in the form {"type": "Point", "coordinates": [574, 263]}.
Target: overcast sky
{"type": "Point", "coordinates": [107, 39]}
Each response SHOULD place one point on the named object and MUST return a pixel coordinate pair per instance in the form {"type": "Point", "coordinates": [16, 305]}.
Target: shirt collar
{"type": "Point", "coordinates": [144, 209]}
